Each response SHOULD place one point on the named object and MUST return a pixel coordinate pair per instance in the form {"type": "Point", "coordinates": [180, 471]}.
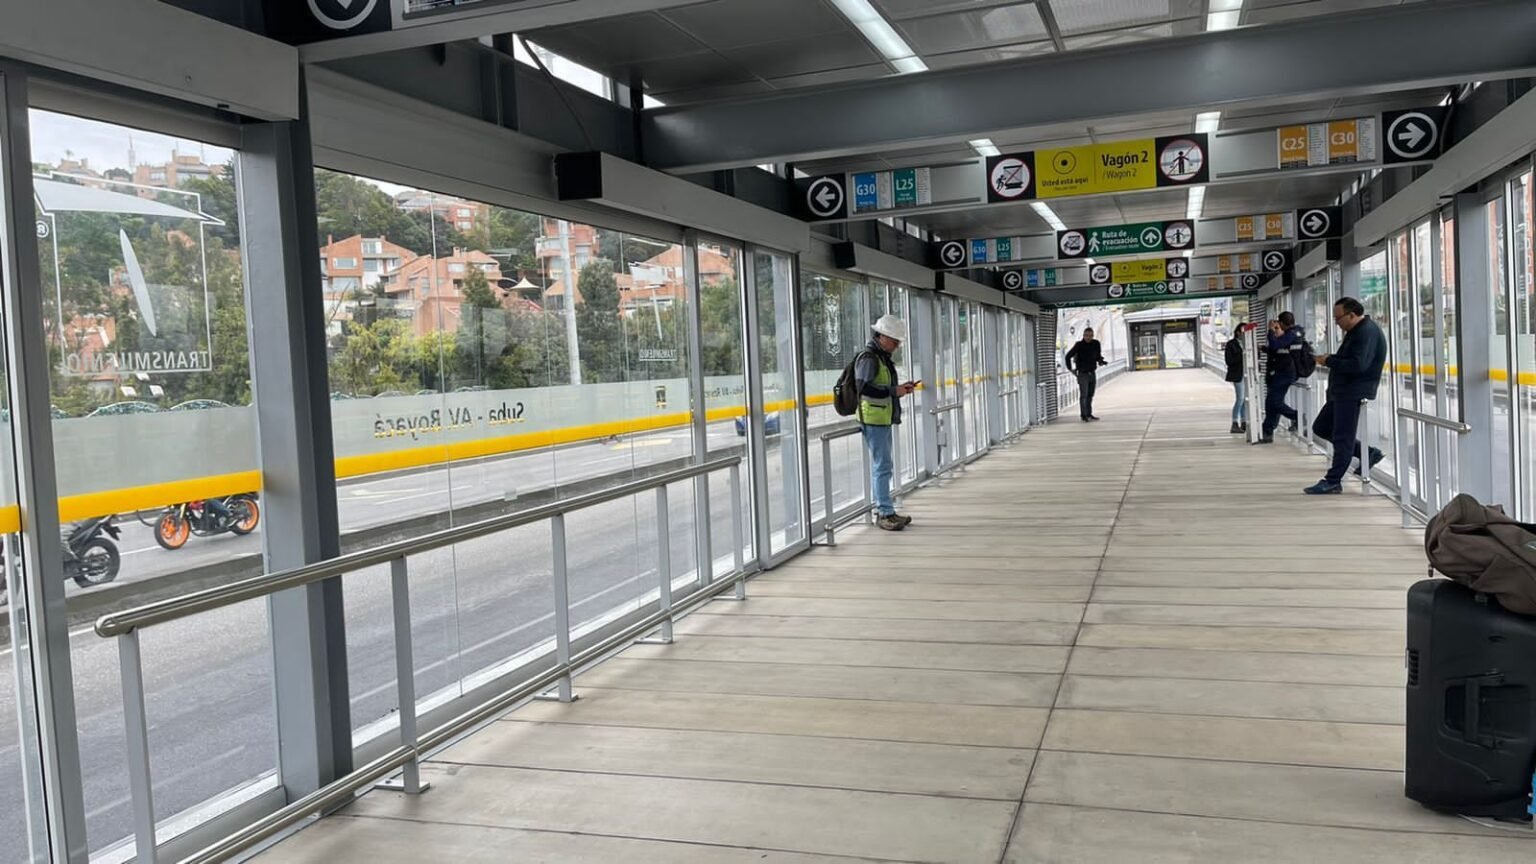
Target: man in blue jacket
{"type": "Point", "coordinates": [1354, 373]}
{"type": "Point", "coordinates": [1285, 340]}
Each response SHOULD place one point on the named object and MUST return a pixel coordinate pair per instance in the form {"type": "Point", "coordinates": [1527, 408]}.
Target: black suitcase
{"type": "Point", "coordinates": [1471, 734]}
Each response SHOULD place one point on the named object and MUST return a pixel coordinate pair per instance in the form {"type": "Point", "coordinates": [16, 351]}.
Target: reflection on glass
{"type": "Point", "coordinates": [1498, 353]}
{"type": "Point", "coordinates": [1374, 295]}
{"type": "Point", "coordinates": [774, 284]}
{"type": "Point", "coordinates": [144, 308]}
{"type": "Point", "coordinates": [486, 360]}
{"type": "Point", "coordinates": [725, 387]}
{"type": "Point", "coordinates": [1523, 376]}
{"type": "Point", "coordinates": [833, 325]}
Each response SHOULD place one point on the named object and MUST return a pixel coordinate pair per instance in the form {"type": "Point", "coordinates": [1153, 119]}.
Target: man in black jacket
{"type": "Point", "coordinates": [1285, 339]}
{"type": "Point", "coordinates": [1354, 373]}
{"type": "Point", "coordinates": [1084, 359]}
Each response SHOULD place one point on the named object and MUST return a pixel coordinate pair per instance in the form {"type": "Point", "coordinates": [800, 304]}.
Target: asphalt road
{"type": "Point", "coordinates": [209, 678]}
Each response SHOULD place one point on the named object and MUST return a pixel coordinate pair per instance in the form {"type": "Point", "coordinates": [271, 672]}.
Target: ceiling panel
{"type": "Point", "coordinates": [1017, 22]}
{"type": "Point", "coordinates": [805, 55]}
{"type": "Point", "coordinates": [894, 9]}
{"type": "Point", "coordinates": [1076, 17]}
{"type": "Point", "coordinates": [1272, 11]}
{"type": "Point", "coordinates": [988, 55]}
{"type": "Point", "coordinates": [608, 42]}
{"type": "Point", "coordinates": [726, 24]}
{"type": "Point", "coordinates": [682, 73]}
{"type": "Point", "coordinates": [832, 76]}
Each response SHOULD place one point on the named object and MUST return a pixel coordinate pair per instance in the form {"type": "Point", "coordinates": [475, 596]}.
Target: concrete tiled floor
{"type": "Point", "coordinates": [1104, 643]}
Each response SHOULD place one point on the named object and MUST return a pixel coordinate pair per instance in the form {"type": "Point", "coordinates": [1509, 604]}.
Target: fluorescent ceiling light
{"type": "Point", "coordinates": [1196, 202]}
{"type": "Point", "coordinates": [881, 34]}
{"type": "Point", "coordinates": [1048, 215]}
{"type": "Point", "coordinates": [1207, 121]}
{"type": "Point", "coordinates": [1222, 20]}
{"type": "Point", "coordinates": [985, 147]}
{"type": "Point", "coordinates": [1226, 5]}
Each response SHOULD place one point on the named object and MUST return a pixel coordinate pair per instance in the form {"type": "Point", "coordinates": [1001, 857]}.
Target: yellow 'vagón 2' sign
{"type": "Point", "coordinates": [1116, 167]}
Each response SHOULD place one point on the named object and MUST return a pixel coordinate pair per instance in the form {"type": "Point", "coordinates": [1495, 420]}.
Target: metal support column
{"type": "Point", "coordinates": [1475, 302]}
{"type": "Point", "coordinates": [757, 417]}
{"type": "Point", "coordinates": [699, 418]}
{"type": "Point", "coordinates": [924, 342]}
{"type": "Point", "coordinates": [42, 571]}
{"type": "Point", "coordinates": [290, 388]}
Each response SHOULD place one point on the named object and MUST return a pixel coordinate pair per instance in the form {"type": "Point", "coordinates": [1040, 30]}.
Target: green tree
{"type": "Point", "coordinates": [600, 324]}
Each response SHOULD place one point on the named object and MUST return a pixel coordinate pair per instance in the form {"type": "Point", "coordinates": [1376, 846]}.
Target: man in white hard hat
{"type": "Point", "coordinates": [880, 411]}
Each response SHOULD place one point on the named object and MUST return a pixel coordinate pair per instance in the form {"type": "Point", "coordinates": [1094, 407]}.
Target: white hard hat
{"type": "Point", "coordinates": [890, 325]}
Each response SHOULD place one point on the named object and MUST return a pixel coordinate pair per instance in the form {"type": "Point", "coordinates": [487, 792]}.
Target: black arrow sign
{"type": "Point", "coordinates": [1319, 222]}
{"type": "Point", "coordinates": [1412, 136]}
{"type": "Point", "coordinates": [825, 198]}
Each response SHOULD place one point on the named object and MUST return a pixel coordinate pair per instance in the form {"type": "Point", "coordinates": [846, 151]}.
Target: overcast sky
{"type": "Point", "coordinates": [104, 145]}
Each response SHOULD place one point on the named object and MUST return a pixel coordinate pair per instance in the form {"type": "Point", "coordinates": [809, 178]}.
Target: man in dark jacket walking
{"type": "Point", "coordinates": [1084, 359]}
{"type": "Point", "coordinates": [1285, 341]}
{"type": "Point", "coordinates": [1354, 373]}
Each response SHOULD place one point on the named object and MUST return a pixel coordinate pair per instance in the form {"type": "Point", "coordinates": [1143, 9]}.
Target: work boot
{"type": "Point", "coordinates": [1237, 428]}
{"type": "Point", "coordinates": [890, 522]}
{"type": "Point", "coordinates": [1267, 439]}
{"type": "Point", "coordinates": [1323, 487]}
{"type": "Point", "coordinates": [904, 520]}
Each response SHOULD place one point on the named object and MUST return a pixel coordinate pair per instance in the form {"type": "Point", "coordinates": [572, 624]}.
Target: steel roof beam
{"type": "Point", "coordinates": [1420, 45]}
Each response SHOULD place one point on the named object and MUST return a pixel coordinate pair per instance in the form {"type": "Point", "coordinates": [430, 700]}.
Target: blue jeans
{"type": "Point", "coordinates": [1339, 422]}
{"type": "Point", "coordinates": [1275, 405]}
{"type": "Point", "coordinates": [1240, 403]}
{"type": "Point", "coordinates": [878, 440]}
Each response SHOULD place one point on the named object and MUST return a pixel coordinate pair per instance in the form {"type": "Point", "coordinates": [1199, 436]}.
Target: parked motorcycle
{"type": "Point", "coordinates": [178, 523]}
{"type": "Point", "coordinates": [89, 557]}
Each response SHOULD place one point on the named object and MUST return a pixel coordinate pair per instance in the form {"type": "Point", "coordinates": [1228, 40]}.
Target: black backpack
{"type": "Point", "coordinates": [1305, 359]}
{"type": "Point", "coordinates": [845, 393]}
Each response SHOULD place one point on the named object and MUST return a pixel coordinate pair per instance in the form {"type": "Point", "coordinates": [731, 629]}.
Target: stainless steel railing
{"type": "Point", "coordinates": [1434, 458]}
{"type": "Point", "coordinates": [833, 518]}
{"type": "Point", "coordinates": [125, 627]}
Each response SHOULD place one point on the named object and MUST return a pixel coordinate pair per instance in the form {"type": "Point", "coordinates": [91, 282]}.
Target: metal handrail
{"type": "Point", "coordinates": [1456, 426]}
{"type": "Point", "coordinates": [125, 627]}
{"type": "Point", "coordinates": [943, 408]}
{"type": "Point", "coordinates": [843, 432]}
{"type": "Point", "coordinates": [159, 612]}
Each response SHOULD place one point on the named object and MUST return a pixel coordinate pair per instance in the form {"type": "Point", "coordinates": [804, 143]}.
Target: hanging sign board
{"type": "Point", "coordinates": [1265, 226]}
{"type": "Point", "coordinates": [1096, 169]}
{"type": "Point", "coordinates": [1144, 290]}
{"type": "Point", "coordinates": [1136, 239]}
{"type": "Point", "coordinates": [901, 189]}
{"type": "Point", "coordinates": [1337, 142]}
{"type": "Point", "coordinates": [1150, 270]}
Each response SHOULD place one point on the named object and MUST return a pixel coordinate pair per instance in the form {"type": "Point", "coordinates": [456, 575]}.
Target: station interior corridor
{"type": "Point", "coordinates": [1125, 641]}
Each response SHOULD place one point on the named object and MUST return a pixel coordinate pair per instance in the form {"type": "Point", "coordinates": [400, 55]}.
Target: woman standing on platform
{"type": "Point", "coordinates": [1235, 374]}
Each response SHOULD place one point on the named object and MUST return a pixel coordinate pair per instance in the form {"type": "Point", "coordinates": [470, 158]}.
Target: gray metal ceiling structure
{"type": "Point", "coordinates": [775, 75]}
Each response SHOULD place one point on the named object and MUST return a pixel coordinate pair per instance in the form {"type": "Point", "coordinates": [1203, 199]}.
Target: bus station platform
{"type": "Point", "coordinates": [1131, 640]}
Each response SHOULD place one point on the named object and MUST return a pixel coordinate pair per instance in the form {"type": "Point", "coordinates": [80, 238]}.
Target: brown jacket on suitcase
{"type": "Point", "coordinates": [1485, 550]}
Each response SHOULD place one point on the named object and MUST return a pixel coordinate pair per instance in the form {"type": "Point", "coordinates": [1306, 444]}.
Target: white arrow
{"type": "Point", "coordinates": [1315, 224]}
{"type": "Point", "coordinates": [1411, 134]}
{"type": "Point", "coordinates": [825, 197]}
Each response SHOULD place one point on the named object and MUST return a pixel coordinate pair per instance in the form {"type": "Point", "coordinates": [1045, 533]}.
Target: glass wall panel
{"type": "Point", "coordinates": [1374, 296]}
{"type": "Point", "coordinates": [154, 437]}
{"type": "Point", "coordinates": [23, 825]}
{"type": "Point", "coordinates": [485, 360]}
{"type": "Point", "coordinates": [834, 320]}
{"type": "Point", "coordinates": [725, 385]}
{"type": "Point", "coordinates": [1500, 368]}
{"type": "Point", "coordinates": [1523, 375]}
{"type": "Point", "coordinates": [774, 284]}
{"type": "Point", "coordinates": [908, 439]}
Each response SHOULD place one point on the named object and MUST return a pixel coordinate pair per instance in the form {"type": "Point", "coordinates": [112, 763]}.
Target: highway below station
{"type": "Point", "coordinates": [209, 678]}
